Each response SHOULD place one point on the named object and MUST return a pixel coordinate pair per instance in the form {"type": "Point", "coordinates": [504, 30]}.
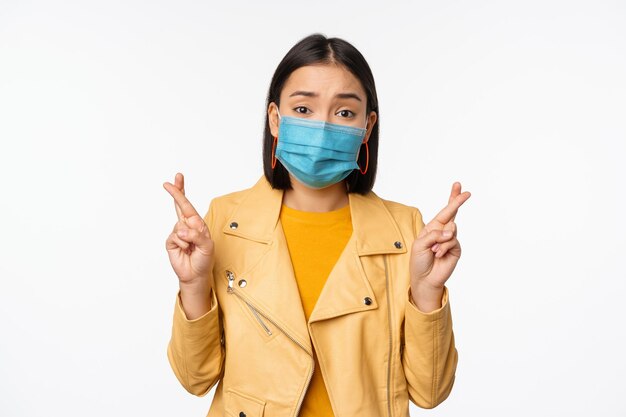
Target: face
{"type": "Point", "coordinates": [323, 92]}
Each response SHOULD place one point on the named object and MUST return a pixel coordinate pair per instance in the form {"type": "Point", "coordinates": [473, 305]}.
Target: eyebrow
{"type": "Point", "coordinates": [312, 94]}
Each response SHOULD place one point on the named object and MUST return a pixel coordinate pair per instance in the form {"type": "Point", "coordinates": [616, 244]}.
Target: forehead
{"type": "Point", "coordinates": [322, 78]}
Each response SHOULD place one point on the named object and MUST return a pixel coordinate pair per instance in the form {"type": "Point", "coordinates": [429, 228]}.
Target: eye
{"type": "Point", "coordinates": [343, 113]}
{"type": "Point", "coordinates": [301, 107]}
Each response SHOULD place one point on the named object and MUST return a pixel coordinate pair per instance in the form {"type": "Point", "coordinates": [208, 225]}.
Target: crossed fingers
{"type": "Point", "coordinates": [448, 213]}
{"type": "Point", "coordinates": [184, 209]}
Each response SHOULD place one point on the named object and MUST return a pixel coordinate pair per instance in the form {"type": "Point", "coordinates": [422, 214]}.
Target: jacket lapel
{"type": "Point", "coordinates": [374, 232]}
{"type": "Point", "coordinates": [276, 295]}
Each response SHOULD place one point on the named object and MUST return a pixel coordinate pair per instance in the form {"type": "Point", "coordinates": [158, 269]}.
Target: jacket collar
{"type": "Point", "coordinates": [374, 228]}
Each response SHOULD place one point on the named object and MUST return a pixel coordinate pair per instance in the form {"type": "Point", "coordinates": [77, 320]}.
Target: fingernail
{"type": "Point", "coordinates": [447, 233]}
{"type": "Point", "coordinates": [182, 233]}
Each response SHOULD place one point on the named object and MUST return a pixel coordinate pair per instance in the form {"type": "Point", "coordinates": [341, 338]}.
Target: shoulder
{"type": "Point", "coordinates": [404, 215]}
{"type": "Point", "coordinates": [230, 200]}
{"type": "Point", "coordinates": [223, 205]}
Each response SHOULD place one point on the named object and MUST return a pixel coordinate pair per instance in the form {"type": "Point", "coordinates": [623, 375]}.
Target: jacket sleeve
{"type": "Point", "coordinates": [196, 350]}
{"type": "Point", "coordinates": [429, 356]}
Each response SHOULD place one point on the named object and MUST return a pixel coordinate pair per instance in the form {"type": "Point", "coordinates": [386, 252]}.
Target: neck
{"type": "Point", "coordinates": [304, 198]}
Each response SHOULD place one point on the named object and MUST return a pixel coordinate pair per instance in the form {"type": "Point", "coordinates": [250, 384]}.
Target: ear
{"type": "Point", "coordinates": [272, 117]}
{"type": "Point", "coordinates": [371, 121]}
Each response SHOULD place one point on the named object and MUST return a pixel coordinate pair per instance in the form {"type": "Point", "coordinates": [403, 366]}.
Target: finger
{"type": "Point", "coordinates": [456, 190]}
{"type": "Point", "coordinates": [179, 181]}
{"type": "Point", "coordinates": [452, 246]}
{"type": "Point", "coordinates": [175, 242]}
{"type": "Point", "coordinates": [448, 213]}
{"type": "Point", "coordinates": [184, 246]}
{"type": "Point", "coordinates": [429, 239]}
{"type": "Point", "coordinates": [181, 224]}
{"type": "Point", "coordinates": [196, 223]}
{"type": "Point", "coordinates": [454, 193]}
{"type": "Point", "coordinates": [187, 209]}
{"type": "Point", "coordinates": [200, 239]}
{"type": "Point", "coordinates": [451, 226]}
{"type": "Point", "coordinates": [179, 212]}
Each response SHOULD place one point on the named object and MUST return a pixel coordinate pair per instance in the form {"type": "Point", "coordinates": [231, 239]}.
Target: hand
{"type": "Point", "coordinates": [434, 255]}
{"type": "Point", "coordinates": [189, 246]}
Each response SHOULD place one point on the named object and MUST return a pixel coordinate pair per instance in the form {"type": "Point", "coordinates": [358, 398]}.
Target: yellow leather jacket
{"type": "Point", "coordinates": [375, 348]}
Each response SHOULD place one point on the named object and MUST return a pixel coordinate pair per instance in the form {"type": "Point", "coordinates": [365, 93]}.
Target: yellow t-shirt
{"type": "Point", "coordinates": [315, 241]}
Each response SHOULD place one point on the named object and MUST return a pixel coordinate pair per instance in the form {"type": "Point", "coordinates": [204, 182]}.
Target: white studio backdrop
{"type": "Point", "coordinates": [101, 102]}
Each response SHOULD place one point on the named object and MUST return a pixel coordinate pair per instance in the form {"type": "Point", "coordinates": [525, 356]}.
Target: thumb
{"type": "Point", "coordinates": [200, 238]}
{"type": "Point", "coordinates": [429, 239]}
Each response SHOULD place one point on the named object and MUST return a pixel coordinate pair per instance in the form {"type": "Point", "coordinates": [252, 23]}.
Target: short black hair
{"type": "Point", "coordinates": [318, 49]}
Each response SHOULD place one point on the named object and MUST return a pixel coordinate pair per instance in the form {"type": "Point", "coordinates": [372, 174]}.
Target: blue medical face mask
{"type": "Point", "coordinates": [318, 153]}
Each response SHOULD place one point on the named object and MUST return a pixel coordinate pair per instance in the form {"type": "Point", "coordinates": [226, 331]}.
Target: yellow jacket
{"type": "Point", "coordinates": [375, 348]}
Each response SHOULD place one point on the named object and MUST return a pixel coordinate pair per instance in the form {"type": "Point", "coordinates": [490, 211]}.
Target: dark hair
{"type": "Point", "coordinates": [317, 49]}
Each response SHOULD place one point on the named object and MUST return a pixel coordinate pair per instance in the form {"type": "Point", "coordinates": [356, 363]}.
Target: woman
{"type": "Point", "coordinates": [307, 294]}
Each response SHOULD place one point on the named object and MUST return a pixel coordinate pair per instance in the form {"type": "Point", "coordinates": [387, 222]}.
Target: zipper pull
{"type": "Point", "coordinates": [231, 280]}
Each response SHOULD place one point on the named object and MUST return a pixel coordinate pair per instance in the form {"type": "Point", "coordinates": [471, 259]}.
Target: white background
{"type": "Point", "coordinates": [101, 102]}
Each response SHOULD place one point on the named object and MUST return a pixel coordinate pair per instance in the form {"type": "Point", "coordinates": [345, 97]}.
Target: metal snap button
{"type": "Point", "coordinates": [398, 244]}
{"type": "Point", "coordinates": [234, 225]}
{"type": "Point", "coordinates": [367, 301]}
{"type": "Point", "coordinates": [242, 283]}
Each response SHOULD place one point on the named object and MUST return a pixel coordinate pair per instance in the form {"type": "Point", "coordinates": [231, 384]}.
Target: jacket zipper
{"type": "Point", "coordinates": [256, 314]}
{"type": "Point", "coordinates": [231, 290]}
{"type": "Point", "coordinates": [390, 339]}
{"type": "Point", "coordinates": [231, 279]}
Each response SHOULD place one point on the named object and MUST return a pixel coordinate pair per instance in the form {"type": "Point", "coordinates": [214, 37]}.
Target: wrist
{"type": "Point", "coordinates": [195, 299]}
{"type": "Point", "coordinates": [197, 286]}
{"type": "Point", "coordinates": [426, 297]}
